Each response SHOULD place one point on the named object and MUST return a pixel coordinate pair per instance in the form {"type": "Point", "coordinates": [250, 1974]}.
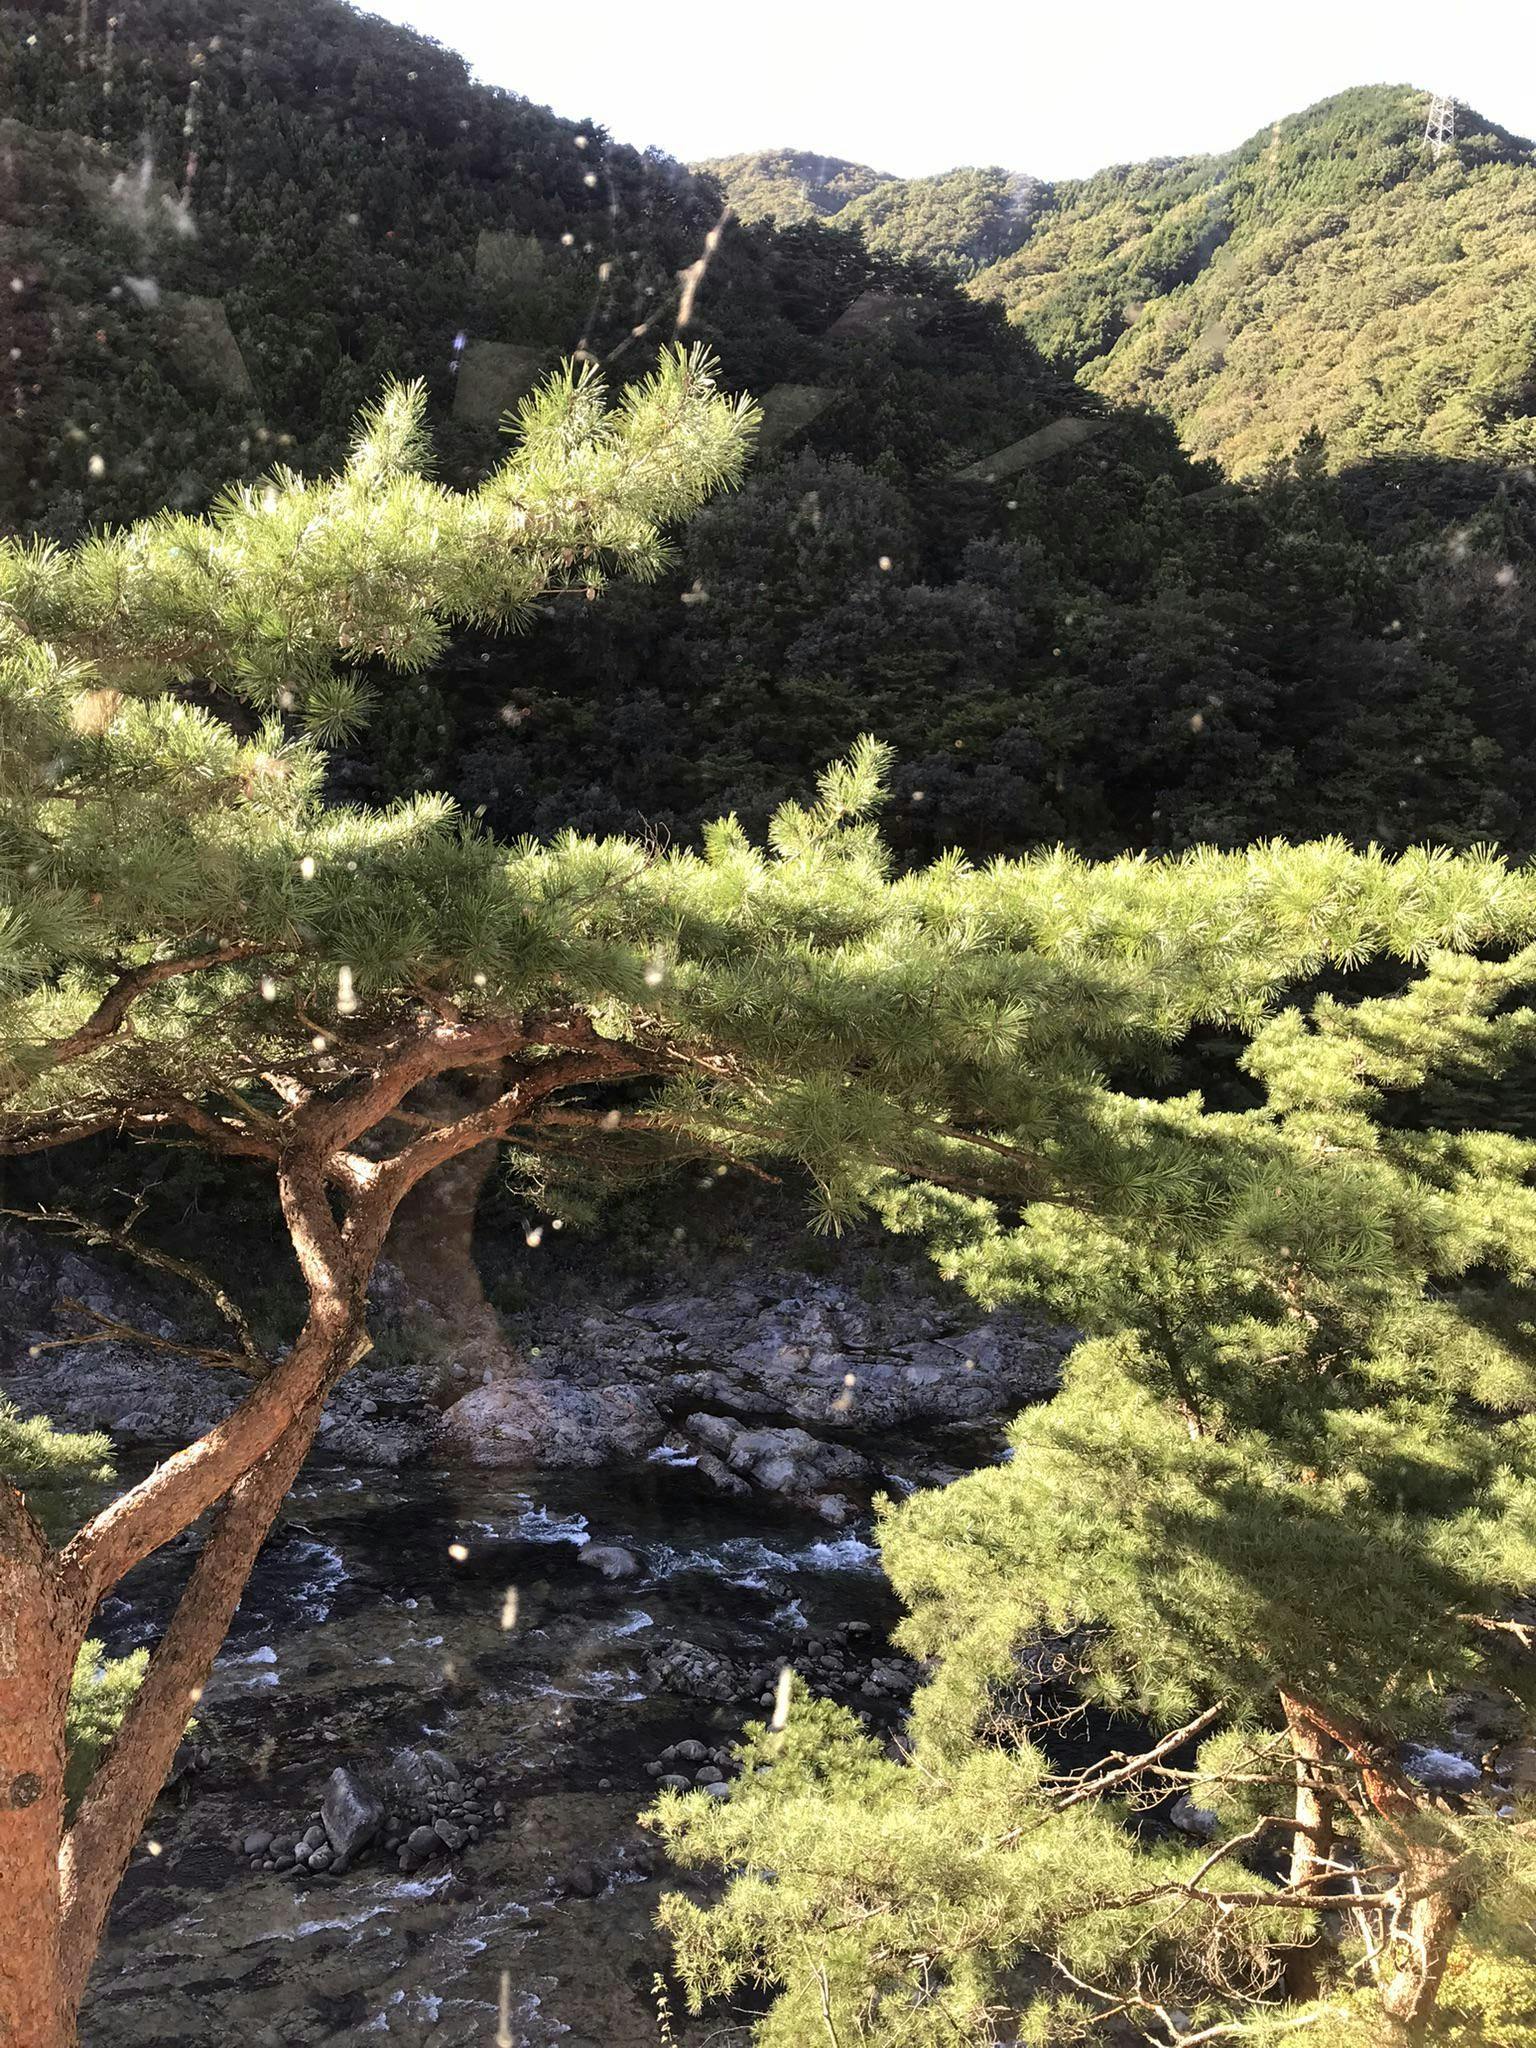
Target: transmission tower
{"type": "Point", "coordinates": [1440, 123]}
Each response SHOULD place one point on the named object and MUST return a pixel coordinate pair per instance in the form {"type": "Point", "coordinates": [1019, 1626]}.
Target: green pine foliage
{"type": "Point", "coordinates": [1292, 1457]}
{"type": "Point", "coordinates": [51, 1467]}
{"type": "Point", "coordinates": [1291, 1460]}
{"type": "Point", "coordinates": [100, 1694]}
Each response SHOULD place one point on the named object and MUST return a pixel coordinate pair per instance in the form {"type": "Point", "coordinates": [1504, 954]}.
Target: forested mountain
{"type": "Point", "coordinates": [1331, 272]}
{"type": "Point", "coordinates": [231, 222]}
{"type": "Point", "coordinates": [789, 185]}
{"type": "Point", "coordinates": [959, 221]}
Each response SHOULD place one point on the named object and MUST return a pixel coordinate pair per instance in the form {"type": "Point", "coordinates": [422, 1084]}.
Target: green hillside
{"type": "Point", "coordinates": [959, 222]}
{"type": "Point", "coordinates": [1331, 272]}
{"type": "Point", "coordinates": [1067, 628]}
{"type": "Point", "coordinates": [789, 185]}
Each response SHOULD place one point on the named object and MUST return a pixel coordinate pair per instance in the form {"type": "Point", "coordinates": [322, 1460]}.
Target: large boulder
{"type": "Point", "coordinates": [802, 1468]}
{"type": "Point", "coordinates": [351, 1813]}
{"type": "Point", "coordinates": [515, 1421]}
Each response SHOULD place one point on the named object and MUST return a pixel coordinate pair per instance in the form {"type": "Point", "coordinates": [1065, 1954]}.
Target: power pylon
{"type": "Point", "coordinates": [1440, 123]}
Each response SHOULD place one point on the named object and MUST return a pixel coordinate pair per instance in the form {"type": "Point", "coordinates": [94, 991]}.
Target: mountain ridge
{"type": "Point", "coordinates": [1154, 281]}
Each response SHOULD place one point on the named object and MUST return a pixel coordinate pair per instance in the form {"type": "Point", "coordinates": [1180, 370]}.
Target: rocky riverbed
{"type": "Point", "coordinates": [551, 1552]}
{"type": "Point", "coordinates": [542, 1650]}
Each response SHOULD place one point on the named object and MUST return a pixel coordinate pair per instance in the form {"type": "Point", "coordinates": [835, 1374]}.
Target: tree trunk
{"type": "Point", "coordinates": [1313, 1841]}
{"type": "Point", "coordinates": [57, 1887]}
{"type": "Point", "coordinates": [1408, 2001]}
{"type": "Point", "coordinates": [128, 1780]}
{"type": "Point", "coordinates": [37, 1655]}
{"type": "Point", "coordinates": [431, 1239]}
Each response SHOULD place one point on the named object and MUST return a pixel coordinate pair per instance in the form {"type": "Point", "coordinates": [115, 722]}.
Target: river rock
{"type": "Point", "coordinates": [673, 1665]}
{"type": "Point", "coordinates": [147, 1397]}
{"type": "Point", "coordinates": [791, 1462]}
{"type": "Point", "coordinates": [515, 1421]}
{"type": "Point", "coordinates": [257, 1843]}
{"type": "Point", "coordinates": [420, 1843]}
{"type": "Point", "coordinates": [611, 1559]}
{"type": "Point", "coordinates": [1190, 1819]}
{"type": "Point", "coordinates": [449, 1833]}
{"type": "Point", "coordinates": [352, 1813]}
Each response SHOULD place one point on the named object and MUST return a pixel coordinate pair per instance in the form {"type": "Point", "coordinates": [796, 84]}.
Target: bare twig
{"type": "Point", "coordinates": [97, 1233]}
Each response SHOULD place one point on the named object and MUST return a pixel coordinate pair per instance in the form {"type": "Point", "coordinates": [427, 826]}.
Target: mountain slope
{"type": "Point", "coordinates": [1067, 628]}
{"type": "Point", "coordinates": [958, 222]}
{"type": "Point", "coordinates": [789, 185]}
{"type": "Point", "coordinates": [1328, 273]}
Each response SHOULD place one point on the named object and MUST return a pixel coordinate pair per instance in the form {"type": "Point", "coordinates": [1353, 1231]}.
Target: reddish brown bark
{"type": "Point", "coordinates": [129, 1778]}
{"type": "Point", "coordinates": [1424, 1930]}
{"type": "Point", "coordinates": [37, 1653]}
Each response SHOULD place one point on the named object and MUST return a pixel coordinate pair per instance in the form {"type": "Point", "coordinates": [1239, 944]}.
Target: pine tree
{"type": "Point", "coordinates": [195, 945]}
{"type": "Point", "coordinates": [1279, 1519]}
{"type": "Point", "coordinates": [191, 942]}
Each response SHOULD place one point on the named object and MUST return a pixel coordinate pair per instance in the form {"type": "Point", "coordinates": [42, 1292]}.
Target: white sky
{"type": "Point", "coordinates": [1031, 84]}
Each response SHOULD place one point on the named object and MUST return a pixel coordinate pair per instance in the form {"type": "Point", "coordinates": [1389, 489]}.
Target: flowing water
{"type": "Point", "coordinates": [379, 1616]}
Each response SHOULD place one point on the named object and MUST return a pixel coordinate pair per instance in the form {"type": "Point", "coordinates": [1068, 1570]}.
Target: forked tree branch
{"type": "Point", "coordinates": [111, 1012]}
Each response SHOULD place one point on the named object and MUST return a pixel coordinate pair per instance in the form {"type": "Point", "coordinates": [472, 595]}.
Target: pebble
{"type": "Point", "coordinates": [605, 1784]}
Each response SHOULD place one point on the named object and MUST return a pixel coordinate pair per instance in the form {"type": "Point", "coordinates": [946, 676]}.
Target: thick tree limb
{"type": "Point", "coordinates": [130, 1776]}
{"type": "Point", "coordinates": [110, 1013]}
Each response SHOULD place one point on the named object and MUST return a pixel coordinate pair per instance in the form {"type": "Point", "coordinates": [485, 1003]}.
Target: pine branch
{"type": "Point", "coordinates": [112, 1011]}
{"type": "Point", "coordinates": [130, 1333]}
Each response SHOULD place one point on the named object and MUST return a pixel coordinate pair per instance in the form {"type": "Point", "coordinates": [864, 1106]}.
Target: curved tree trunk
{"type": "Point", "coordinates": [56, 1883]}
{"type": "Point", "coordinates": [431, 1240]}
{"type": "Point", "coordinates": [37, 1655]}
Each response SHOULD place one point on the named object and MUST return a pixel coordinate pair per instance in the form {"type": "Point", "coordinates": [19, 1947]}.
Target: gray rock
{"type": "Point", "coordinates": [691, 1670]}
{"type": "Point", "coordinates": [352, 1812]}
{"type": "Point", "coordinates": [1190, 1819]}
{"type": "Point", "coordinates": [551, 1423]}
{"type": "Point", "coordinates": [674, 1781]}
{"type": "Point", "coordinates": [449, 1833]}
{"type": "Point", "coordinates": [717, 1788]}
{"type": "Point", "coordinates": [692, 1751]}
{"type": "Point", "coordinates": [422, 1842]}
{"type": "Point", "coordinates": [314, 1837]}
{"type": "Point", "coordinates": [257, 1843]}
{"type": "Point", "coordinates": [709, 1774]}
{"type": "Point", "coordinates": [613, 1561]}
{"type": "Point", "coordinates": [321, 1858]}
{"type": "Point", "coordinates": [790, 1462]}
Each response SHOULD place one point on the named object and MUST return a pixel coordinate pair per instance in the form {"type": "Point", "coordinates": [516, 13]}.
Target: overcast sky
{"type": "Point", "coordinates": [1057, 90]}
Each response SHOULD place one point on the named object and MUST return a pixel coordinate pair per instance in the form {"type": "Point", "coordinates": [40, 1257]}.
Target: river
{"type": "Point", "coordinates": [379, 1617]}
